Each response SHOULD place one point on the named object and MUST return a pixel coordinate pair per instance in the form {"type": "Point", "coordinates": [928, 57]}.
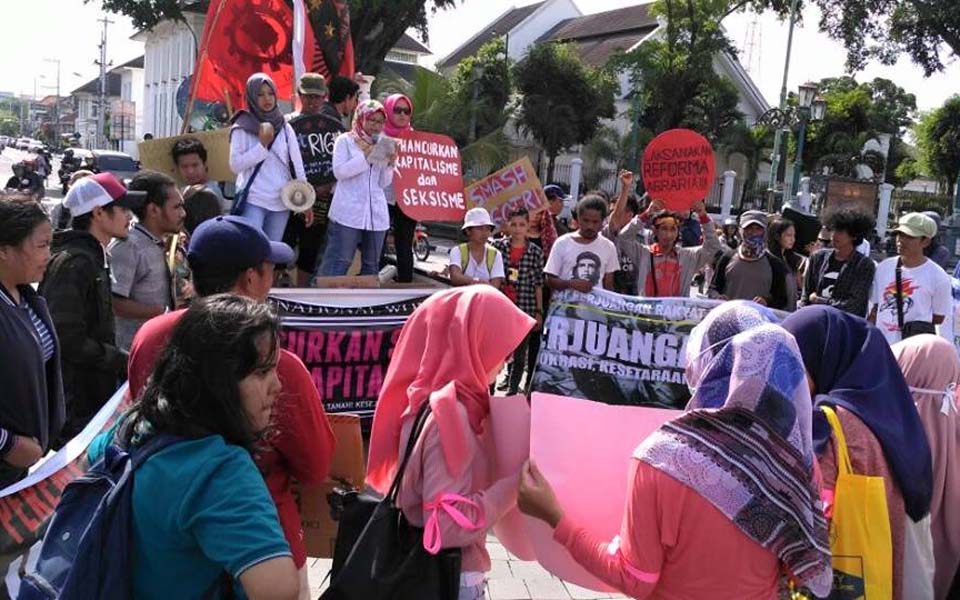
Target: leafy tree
{"type": "Point", "coordinates": [674, 72]}
{"type": "Point", "coordinates": [376, 25]}
{"type": "Point", "coordinates": [924, 30]}
{"type": "Point", "coordinates": [563, 100]}
{"type": "Point", "coordinates": [856, 113]}
{"type": "Point", "coordinates": [938, 140]}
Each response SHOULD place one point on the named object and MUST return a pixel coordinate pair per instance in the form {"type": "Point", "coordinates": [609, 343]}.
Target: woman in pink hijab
{"type": "Point", "coordinates": [399, 117]}
{"type": "Point", "coordinates": [932, 370]}
{"type": "Point", "coordinates": [449, 352]}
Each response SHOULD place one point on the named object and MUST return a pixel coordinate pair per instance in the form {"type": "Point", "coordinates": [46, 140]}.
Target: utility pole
{"type": "Point", "coordinates": [56, 106]}
{"type": "Point", "coordinates": [101, 123]}
{"type": "Point", "coordinates": [775, 159]}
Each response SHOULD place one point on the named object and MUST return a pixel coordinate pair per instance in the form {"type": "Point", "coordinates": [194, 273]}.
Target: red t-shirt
{"type": "Point", "coordinates": [513, 272]}
{"type": "Point", "coordinates": [300, 445]}
{"type": "Point", "coordinates": [666, 269]}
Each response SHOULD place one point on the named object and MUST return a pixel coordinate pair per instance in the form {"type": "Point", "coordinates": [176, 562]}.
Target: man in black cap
{"type": "Point", "coordinates": [555, 197]}
{"type": "Point", "coordinates": [78, 291]}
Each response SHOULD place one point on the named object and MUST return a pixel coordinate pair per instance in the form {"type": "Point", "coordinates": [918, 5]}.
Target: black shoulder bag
{"type": "Point", "coordinates": [911, 328]}
{"type": "Point", "coordinates": [379, 555]}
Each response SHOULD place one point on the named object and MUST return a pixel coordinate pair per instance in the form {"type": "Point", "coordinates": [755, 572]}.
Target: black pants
{"type": "Point", "coordinates": [524, 358]}
{"type": "Point", "coordinates": [403, 229]}
{"type": "Point", "coordinates": [309, 242]}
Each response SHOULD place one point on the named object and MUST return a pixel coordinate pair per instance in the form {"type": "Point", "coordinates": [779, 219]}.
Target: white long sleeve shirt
{"type": "Point", "coordinates": [358, 200]}
{"type": "Point", "coordinates": [246, 152]}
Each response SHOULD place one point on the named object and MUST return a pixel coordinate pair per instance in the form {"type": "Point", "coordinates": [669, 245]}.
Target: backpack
{"type": "Point", "coordinates": [87, 549]}
{"type": "Point", "coordinates": [465, 257]}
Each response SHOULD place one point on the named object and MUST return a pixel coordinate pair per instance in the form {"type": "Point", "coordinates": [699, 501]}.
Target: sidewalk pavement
{"type": "Point", "coordinates": [509, 579]}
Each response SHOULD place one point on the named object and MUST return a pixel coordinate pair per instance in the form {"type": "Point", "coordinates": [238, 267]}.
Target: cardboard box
{"type": "Point", "coordinates": [319, 529]}
{"type": "Point", "coordinates": [155, 154]}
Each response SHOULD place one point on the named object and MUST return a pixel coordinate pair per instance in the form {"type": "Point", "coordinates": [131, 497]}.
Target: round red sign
{"type": "Point", "coordinates": [678, 168]}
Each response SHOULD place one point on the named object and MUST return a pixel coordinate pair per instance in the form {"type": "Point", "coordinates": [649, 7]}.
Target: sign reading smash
{"type": "Point", "coordinates": [678, 168]}
{"type": "Point", "coordinates": [513, 186]}
{"type": "Point", "coordinates": [429, 177]}
{"type": "Point", "coordinates": [618, 349]}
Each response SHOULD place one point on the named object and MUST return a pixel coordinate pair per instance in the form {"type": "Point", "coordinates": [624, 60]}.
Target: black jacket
{"type": "Point", "coordinates": [77, 289]}
{"type": "Point", "coordinates": [851, 293]}
{"type": "Point", "coordinates": [32, 390]}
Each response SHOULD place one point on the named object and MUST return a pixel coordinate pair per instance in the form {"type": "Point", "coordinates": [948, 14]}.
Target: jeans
{"type": "Point", "coordinates": [272, 222]}
{"type": "Point", "coordinates": [342, 242]}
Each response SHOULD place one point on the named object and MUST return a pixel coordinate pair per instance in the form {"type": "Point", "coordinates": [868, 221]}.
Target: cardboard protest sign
{"type": "Point", "coordinates": [429, 177]}
{"type": "Point", "coordinates": [678, 168]}
{"type": "Point", "coordinates": [513, 186]}
{"type": "Point", "coordinates": [618, 349]}
{"type": "Point", "coordinates": [156, 154]}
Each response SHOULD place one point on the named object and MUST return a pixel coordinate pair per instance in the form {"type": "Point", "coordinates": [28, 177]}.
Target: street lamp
{"type": "Point", "coordinates": [811, 108]}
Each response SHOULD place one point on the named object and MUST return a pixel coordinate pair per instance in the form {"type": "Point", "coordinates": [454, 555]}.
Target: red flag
{"type": "Point", "coordinates": [240, 38]}
{"type": "Point", "coordinates": [329, 43]}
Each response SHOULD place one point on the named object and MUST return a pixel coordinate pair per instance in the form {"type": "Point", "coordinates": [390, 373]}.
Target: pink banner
{"type": "Point", "coordinates": [584, 448]}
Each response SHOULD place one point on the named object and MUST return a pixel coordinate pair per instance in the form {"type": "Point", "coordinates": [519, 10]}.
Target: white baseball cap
{"type": "Point", "coordinates": [100, 190]}
{"type": "Point", "coordinates": [477, 217]}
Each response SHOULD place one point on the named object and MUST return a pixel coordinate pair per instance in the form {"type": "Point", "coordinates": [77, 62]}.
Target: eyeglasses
{"type": "Point", "coordinates": [399, 110]}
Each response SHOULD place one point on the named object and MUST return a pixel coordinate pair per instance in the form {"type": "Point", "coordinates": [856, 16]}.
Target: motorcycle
{"type": "Point", "coordinates": [421, 243]}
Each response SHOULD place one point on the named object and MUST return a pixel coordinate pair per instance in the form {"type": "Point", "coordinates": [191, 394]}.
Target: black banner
{"type": "Point", "coordinates": [316, 135]}
{"type": "Point", "coordinates": [618, 349]}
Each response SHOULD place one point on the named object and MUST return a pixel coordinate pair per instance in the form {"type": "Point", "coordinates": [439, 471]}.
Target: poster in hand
{"type": "Point", "coordinates": [678, 168]}
{"type": "Point", "coordinates": [513, 186]}
{"type": "Point", "coordinates": [618, 349]}
{"type": "Point", "coordinates": [429, 177]}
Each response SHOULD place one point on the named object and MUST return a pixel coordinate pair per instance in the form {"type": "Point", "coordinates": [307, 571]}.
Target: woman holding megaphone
{"type": "Point", "coordinates": [265, 156]}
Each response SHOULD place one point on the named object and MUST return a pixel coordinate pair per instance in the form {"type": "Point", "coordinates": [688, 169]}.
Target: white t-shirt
{"type": "Point", "coordinates": [569, 259]}
{"type": "Point", "coordinates": [926, 292]}
{"type": "Point", "coordinates": [475, 269]}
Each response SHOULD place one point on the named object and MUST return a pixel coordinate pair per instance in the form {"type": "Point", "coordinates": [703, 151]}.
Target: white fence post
{"type": "Point", "coordinates": [886, 193]}
{"type": "Point", "coordinates": [806, 200]}
{"type": "Point", "coordinates": [576, 173]}
{"type": "Point", "coordinates": [726, 197]}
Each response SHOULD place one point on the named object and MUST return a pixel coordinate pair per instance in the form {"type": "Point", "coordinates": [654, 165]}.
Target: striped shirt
{"type": "Point", "coordinates": [44, 337]}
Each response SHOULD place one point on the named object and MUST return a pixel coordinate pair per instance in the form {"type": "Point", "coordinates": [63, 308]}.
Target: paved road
{"type": "Point", "coordinates": [11, 156]}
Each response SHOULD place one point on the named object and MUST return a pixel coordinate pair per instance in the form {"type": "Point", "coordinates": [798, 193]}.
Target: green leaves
{"type": "Point", "coordinates": [563, 99]}
{"type": "Point", "coordinates": [938, 141]}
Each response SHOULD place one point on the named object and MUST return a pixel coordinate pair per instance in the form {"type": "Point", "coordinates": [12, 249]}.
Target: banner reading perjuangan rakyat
{"type": "Point", "coordinates": [618, 349]}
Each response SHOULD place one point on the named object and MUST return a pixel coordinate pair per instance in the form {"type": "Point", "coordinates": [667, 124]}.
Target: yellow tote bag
{"type": "Point", "coordinates": [859, 531]}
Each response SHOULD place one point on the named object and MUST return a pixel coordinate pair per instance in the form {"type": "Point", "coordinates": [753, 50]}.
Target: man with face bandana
{"type": "Point", "coordinates": [751, 273]}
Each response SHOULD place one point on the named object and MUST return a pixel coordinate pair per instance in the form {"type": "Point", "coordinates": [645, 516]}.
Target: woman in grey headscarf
{"type": "Point", "coordinates": [265, 155]}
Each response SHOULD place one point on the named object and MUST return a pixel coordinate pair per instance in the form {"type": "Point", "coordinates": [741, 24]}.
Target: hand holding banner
{"type": "Point", "coordinates": [429, 177]}
{"type": "Point", "coordinates": [678, 168]}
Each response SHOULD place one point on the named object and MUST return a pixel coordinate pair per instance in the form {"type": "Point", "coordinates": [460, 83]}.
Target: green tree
{"type": "Point", "coordinates": [376, 25]}
{"type": "Point", "coordinates": [857, 112]}
{"type": "Point", "coordinates": [938, 141]}
{"type": "Point", "coordinates": [925, 30]}
{"type": "Point", "coordinates": [674, 72]}
{"type": "Point", "coordinates": [563, 100]}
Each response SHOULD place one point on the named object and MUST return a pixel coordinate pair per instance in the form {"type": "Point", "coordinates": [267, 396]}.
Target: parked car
{"type": "Point", "coordinates": [122, 165]}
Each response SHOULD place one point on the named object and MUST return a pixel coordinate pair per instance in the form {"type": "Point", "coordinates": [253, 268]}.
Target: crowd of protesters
{"type": "Point", "coordinates": [154, 284]}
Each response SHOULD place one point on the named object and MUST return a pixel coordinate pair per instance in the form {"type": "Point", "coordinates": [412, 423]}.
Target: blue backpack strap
{"type": "Point", "coordinates": [157, 443]}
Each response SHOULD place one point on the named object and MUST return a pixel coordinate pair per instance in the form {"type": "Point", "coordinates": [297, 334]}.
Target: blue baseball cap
{"type": "Point", "coordinates": [233, 243]}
